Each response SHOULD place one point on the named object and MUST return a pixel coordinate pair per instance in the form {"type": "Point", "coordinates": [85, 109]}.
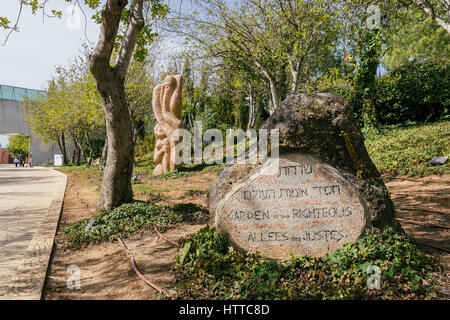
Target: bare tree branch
{"type": "Point", "coordinates": [16, 24]}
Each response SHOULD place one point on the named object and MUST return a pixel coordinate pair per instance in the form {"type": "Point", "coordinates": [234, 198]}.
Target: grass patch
{"type": "Point", "coordinates": [143, 170]}
{"type": "Point", "coordinates": [84, 172]}
{"type": "Point", "coordinates": [129, 218]}
{"type": "Point", "coordinates": [190, 169]}
{"type": "Point", "coordinates": [407, 149]}
{"type": "Point", "coordinates": [146, 189]}
{"type": "Point", "coordinates": [209, 268]}
{"type": "Point", "coordinates": [144, 165]}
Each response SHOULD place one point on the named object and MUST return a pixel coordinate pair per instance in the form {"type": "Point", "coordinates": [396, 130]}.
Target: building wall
{"type": "Point", "coordinates": [12, 121]}
{"type": "Point", "coordinates": [5, 156]}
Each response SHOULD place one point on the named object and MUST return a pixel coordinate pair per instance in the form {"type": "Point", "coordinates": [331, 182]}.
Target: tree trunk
{"type": "Point", "coordinates": [74, 154]}
{"type": "Point", "coordinates": [116, 184]}
{"type": "Point", "coordinates": [89, 143]}
{"type": "Point", "coordinates": [79, 142]}
{"type": "Point", "coordinates": [78, 156]}
{"type": "Point", "coordinates": [63, 145]}
{"type": "Point", "coordinates": [191, 121]}
{"type": "Point", "coordinates": [274, 96]}
{"type": "Point", "coordinates": [76, 151]}
{"type": "Point", "coordinates": [295, 73]}
{"type": "Point", "coordinates": [58, 139]}
{"type": "Point", "coordinates": [272, 88]}
{"type": "Point", "coordinates": [104, 152]}
{"type": "Point", "coordinates": [251, 108]}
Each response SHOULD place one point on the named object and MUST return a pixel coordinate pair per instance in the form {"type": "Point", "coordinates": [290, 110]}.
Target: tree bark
{"type": "Point", "coordinates": [64, 150]}
{"type": "Point", "coordinates": [272, 88]}
{"type": "Point", "coordinates": [74, 153]}
{"type": "Point", "coordinates": [89, 143]}
{"type": "Point", "coordinates": [81, 150]}
{"type": "Point", "coordinates": [104, 152]}
{"type": "Point", "coordinates": [295, 73]}
{"type": "Point", "coordinates": [78, 156]}
{"type": "Point", "coordinates": [251, 108]}
{"type": "Point", "coordinates": [116, 184]}
{"type": "Point", "coordinates": [59, 143]}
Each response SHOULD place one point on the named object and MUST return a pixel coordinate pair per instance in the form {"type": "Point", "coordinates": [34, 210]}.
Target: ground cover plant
{"type": "Point", "coordinates": [129, 218]}
{"type": "Point", "coordinates": [209, 268]}
{"type": "Point", "coordinates": [407, 149]}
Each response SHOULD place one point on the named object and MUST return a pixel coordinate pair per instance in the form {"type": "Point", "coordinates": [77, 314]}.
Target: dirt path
{"type": "Point", "coordinates": [426, 200]}
{"type": "Point", "coordinates": [105, 269]}
{"type": "Point", "coordinates": [106, 272]}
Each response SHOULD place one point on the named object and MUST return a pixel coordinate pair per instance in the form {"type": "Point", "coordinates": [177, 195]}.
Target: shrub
{"type": "Point", "coordinates": [414, 92]}
{"type": "Point", "coordinates": [209, 268]}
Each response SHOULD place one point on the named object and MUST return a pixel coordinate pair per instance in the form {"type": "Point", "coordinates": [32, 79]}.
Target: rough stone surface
{"type": "Point", "coordinates": [319, 130]}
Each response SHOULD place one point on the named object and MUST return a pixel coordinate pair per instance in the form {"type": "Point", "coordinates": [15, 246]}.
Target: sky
{"type": "Point", "coordinates": [29, 57]}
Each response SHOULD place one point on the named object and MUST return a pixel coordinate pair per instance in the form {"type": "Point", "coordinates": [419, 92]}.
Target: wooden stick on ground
{"type": "Point", "coordinates": [446, 226]}
{"type": "Point", "coordinates": [133, 263]}
{"type": "Point", "coordinates": [165, 238]}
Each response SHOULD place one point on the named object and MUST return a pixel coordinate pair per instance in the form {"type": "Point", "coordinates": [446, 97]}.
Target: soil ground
{"type": "Point", "coordinates": [106, 271]}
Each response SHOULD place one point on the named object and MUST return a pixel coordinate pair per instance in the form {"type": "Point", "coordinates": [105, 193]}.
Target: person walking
{"type": "Point", "coordinates": [30, 161]}
{"type": "Point", "coordinates": [16, 162]}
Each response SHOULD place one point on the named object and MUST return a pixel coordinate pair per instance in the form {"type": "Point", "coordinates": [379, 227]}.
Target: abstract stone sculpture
{"type": "Point", "coordinates": [167, 106]}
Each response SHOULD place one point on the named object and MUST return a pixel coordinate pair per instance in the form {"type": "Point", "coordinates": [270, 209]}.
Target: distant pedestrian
{"type": "Point", "coordinates": [16, 162]}
{"type": "Point", "coordinates": [30, 161]}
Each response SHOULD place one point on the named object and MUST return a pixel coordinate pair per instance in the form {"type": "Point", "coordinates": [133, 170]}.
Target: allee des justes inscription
{"type": "Point", "coordinates": [303, 207]}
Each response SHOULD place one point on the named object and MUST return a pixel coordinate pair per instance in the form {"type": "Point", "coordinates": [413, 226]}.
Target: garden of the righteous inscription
{"type": "Point", "coordinates": [302, 206]}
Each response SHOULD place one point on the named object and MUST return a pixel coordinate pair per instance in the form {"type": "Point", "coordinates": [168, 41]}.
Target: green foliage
{"type": "Point", "coordinates": [209, 268]}
{"type": "Point", "coordinates": [407, 149]}
{"type": "Point", "coordinates": [413, 34]}
{"type": "Point", "coordinates": [138, 94]}
{"type": "Point", "coordinates": [129, 218]}
{"type": "Point", "coordinates": [190, 169]}
{"type": "Point", "coordinates": [414, 92]}
{"type": "Point", "coordinates": [203, 250]}
{"type": "Point", "coordinates": [269, 42]}
{"type": "Point", "coordinates": [369, 53]}
{"type": "Point", "coordinates": [19, 145]}
{"type": "Point", "coordinates": [72, 108]}
{"type": "Point", "coordinates": [145, 145]}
